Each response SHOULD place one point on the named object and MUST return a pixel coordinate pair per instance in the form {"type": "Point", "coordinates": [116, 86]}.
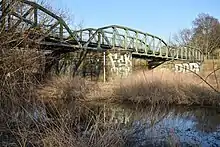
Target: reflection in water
{"type": "Point", "coordinates": [154, 126]}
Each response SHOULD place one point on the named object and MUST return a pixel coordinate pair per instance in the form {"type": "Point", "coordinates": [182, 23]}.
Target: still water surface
{"type": "Point", "coordinates": [165, 126]}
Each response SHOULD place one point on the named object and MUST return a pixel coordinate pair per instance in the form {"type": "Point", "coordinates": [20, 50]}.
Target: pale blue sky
{"type": "Point", "coordinates": [158, 17]}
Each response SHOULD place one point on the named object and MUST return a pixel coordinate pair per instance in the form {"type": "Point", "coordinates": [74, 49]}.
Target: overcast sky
{"type": "Point", "coordinates": [158, 17]}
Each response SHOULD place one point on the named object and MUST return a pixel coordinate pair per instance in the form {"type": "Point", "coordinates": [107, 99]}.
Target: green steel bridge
{"type": "Point", "coordinates": [26, 15]}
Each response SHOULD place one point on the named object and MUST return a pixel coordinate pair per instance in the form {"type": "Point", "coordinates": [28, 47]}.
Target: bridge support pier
{"type": "Point", "coordinates": [52, 63]}
{"type": "Point", "coordinates": [119, 64]}
{"type": "Point", "coordinates": [104, 66]}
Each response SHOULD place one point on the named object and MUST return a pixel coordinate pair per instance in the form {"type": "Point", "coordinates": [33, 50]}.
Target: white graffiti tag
{"type": "Point", "coordinates": [187, 67]}
{"type": "Point", "coordinates": [120, 64]}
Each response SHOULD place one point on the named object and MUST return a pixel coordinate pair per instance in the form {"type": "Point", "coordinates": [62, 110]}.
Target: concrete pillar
{"type": "Point", "coordinates": [120, 63]}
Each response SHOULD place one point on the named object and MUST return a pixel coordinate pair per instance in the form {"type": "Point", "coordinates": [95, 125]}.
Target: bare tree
{"type": "Point", "coordinates": [183, 37]}
{"type": "Point", "coordinates": [204, 34]}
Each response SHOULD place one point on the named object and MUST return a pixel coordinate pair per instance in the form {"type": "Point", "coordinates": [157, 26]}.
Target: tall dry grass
{"type": "Point", "coordinates": [49, 113]}
{"type": "Point", "coordinates": [74, 123]}
{"type": "Point", "coordinates": [35, 111]}
{"type": "Point", "coordinates": [20, 71]}
{"type": "Point", "coordinates": [164, 87]}
{"type": "Point", "coordinates": [60, 117]}
{"type": "Point", "coordinates": [62, 93]}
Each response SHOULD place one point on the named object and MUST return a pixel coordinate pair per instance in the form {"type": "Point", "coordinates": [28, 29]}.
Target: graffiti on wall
{"type": "Point", "coordinates": [121, 64]}
{"type": "Point", "coordinates": [187, 67]}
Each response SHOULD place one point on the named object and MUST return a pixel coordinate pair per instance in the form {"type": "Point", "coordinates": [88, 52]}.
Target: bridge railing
{"type": "Point", "coordinates": [186, 53]}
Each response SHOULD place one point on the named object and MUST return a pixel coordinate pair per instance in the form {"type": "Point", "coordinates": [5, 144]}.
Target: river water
{"type": "Point", "coordinates": [165, 126]}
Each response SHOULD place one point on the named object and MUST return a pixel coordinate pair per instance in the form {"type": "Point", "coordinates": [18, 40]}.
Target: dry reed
{"type": "Point", "coordinates": [39, 112]}
{"type": "Point", "coordinates": [157, 87]}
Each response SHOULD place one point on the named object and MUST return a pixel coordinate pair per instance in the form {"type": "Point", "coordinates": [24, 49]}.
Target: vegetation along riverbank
{"type": "Point", "coordinates": [47, 99]}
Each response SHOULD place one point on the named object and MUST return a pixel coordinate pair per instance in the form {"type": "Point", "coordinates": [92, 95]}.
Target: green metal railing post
{"type": "Point", "coordinates": [81, 36]}
{"type": "Point", "coordinates": [160, 48]}
{"type": "Point", "coordinates": [103, 37]}
{"type": "Point", "coordinates": [181, 52]}
{"type": "Point", "coordinates": [99, 40]}
{"type": "Point", "coordinates": [126, 39]}
{"type": "Point", "coordinates": [145, 43]}
{"type": "Point", "coordinates": [114, 37]}
{"type": "Point", "coordinates": [61, 32]}
{"type": "Point", "coordinates": [154, 51]}
{"type": "Point", "coordinates": [196, 54]}
{"type": "Point", "coordinates": [90, 33]}
{"type": "Point", "coordinates": [193, 53]}
{"type": "Point", "coordinates": [167, 52]}
{"type": "Point", "coordinates": [35, 17]}
{"type": "Point", "coordinates": [136, 41]}
{"type": "Point", "coordinates": [190, 54]}
{"type": "Point", "coordinates": [177, 53]}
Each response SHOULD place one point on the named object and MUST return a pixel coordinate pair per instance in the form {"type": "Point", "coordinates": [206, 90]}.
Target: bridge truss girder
{"type": "Point", "coordinates": [141, 44]}
{"type": "Point", "coordinates": [25, 15]}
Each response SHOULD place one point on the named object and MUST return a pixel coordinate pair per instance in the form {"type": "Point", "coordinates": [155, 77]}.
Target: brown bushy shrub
{"type": "Point", "coordinates": [62, 93]}
{"type": "Point", "coordinates": [20, 70]}
{"type": "Point", "coordinates": [23, 95]}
